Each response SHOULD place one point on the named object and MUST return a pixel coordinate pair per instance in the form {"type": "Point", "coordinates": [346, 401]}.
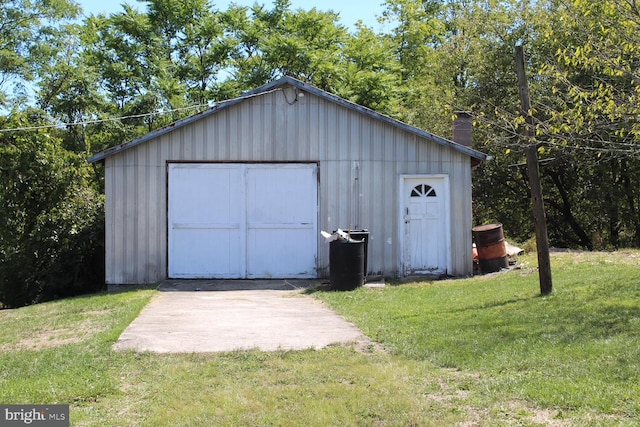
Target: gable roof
{"type": "Point", "coordinates": [475, 155]}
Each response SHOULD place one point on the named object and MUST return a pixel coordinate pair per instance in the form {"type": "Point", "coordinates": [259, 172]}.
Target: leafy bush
{"type": "Point", "coordinates": [51, 218]}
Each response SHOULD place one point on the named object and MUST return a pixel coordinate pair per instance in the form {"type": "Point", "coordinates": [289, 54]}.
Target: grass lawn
{"type": "Point", "coordinates": [481, 351]}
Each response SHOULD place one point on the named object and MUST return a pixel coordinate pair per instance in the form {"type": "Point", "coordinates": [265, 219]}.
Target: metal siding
{"type": "Point", "coordinates": [119, 253]}
{"type": "Point", "coordinates": [244, 146]}
{"type": "Point", "coordinates": [129, 206]}
{"type": "Point", "coordinates": [198, 135]}
{"type": "Point", "coordinates": [139, 248]}
{"type": "Point", "coordinates": [268, 128]}
{"type": "Point", "coordinates": [260, 132]}
{"type": "Point", "coordinates": [110, 238]}
{"type": "Point", "coordinates": [134, 241]}
{"type": "Point", "coordinates": [155, 231]}
{"type": "Point", "coordinates": [116, 191]}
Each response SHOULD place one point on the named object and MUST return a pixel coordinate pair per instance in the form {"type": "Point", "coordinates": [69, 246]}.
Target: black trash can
{"type": "Point", "coordinates": [346, 264]}
{"type": "Point", "coordinates": [364, 236]}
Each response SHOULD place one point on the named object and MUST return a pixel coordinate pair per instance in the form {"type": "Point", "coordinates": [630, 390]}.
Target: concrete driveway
{"type": "Point", "coordinates": [214, 316]}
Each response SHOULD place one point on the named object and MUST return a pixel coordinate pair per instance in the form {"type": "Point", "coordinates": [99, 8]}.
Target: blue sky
{"type": "Point", "coordinates": [350, 10]}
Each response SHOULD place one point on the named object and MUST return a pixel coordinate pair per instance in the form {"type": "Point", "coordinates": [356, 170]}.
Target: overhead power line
{"type": "Point", "coordinates": [134, 116]}
{"type": "Point", "coordinates": [109, 119]}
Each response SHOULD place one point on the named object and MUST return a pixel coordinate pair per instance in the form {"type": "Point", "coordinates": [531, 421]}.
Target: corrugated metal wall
{"type": "Point", "coordinates": [361, 161]}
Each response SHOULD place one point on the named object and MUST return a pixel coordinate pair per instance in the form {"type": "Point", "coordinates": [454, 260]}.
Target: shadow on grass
{"type": "Point", "coordinates": [89, 295]}
{"type": "Point", "coordinates": [596, 323]}
{"type": "Point", "coordinates": [322, 287]}
{"type": "Point", "coordinates": [490, 305]}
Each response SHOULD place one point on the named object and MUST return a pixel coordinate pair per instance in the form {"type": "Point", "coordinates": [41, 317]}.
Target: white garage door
{"type": "Point", "coordinates": [242, 220]}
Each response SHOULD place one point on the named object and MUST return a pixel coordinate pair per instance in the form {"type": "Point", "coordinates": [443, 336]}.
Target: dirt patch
{"type": "Point", "coordinates": [546, 417]}
{"type": "Point", "coordinates": [515, 413]}
{"type": "Point", "coordinates": [46, 336]}
{"type": "Point", "coordinates": [366, 346]}
{"type": "Point", "coordinates": [46, 339]}
{"type": "Point", "coordinates": [454, 396]}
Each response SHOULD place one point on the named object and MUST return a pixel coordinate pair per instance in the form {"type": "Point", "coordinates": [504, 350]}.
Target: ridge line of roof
{"type": "Point", "coordinates": [275, 85]}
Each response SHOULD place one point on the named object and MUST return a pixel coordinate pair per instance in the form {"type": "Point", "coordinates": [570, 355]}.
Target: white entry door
{"type": "Point", "coordinates": [425, 213]}
{"type": "Point", "coordinates": [242, 220]}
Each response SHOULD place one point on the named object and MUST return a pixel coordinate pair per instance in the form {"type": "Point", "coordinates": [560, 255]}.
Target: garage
{"type": "Point", "coordinates": [242, 190]}
{"type": "Point", "coordinates": [237, 220]}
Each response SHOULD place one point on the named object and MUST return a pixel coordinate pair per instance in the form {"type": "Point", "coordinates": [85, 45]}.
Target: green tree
{"type": "Point", "coordinates": [27, 29]}
{"type": "Point", "coordinates": [369, 73]}
{"type": "Point", "coordinates": [590, 70]}
{"type": "Point", "coordinates": [126, 51]}
{"type": "Point", "coordinates": [51, 238]}
{"type": "Point", "coordinates": [159, 65]}
{"type": "Point", "coordinates": [69, 90]}
{"type": "Point", "coordinates": [581, 62]}
{"type": "Point", "coordinates": [303, 44]}
{"type": "Point", "coordinates": [195, 46]}
{"type": "Point", "coordinates": [477, 62]}
{"type": "Point", "coordinates": [419, 31]}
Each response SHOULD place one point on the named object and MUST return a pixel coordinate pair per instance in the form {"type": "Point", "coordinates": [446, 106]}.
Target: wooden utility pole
{"type": "Point", "coordinates": [540, 221]}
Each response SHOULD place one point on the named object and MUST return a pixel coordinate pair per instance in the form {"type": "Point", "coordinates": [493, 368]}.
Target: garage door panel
{"type": "Point", "coordinates": [205, 237]}
{"type": "Point", "coordinates": [281, 217]}
{"type": "Point", "coordinates": [272, 253]}
{"type": "Point", "coordinates": [204, 253]}
{"type": "Point", "coordinates": [205, 194]}
{"type": "Point", "coordinates": [285, 195]}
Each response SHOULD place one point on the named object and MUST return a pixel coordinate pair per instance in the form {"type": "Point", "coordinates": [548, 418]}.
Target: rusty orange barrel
{"type": "Point", "coordinates": [492, 251]}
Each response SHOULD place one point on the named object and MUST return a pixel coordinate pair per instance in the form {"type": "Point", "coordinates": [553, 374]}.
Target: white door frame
{"type": "Point", "coordinates": [402, 223]}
